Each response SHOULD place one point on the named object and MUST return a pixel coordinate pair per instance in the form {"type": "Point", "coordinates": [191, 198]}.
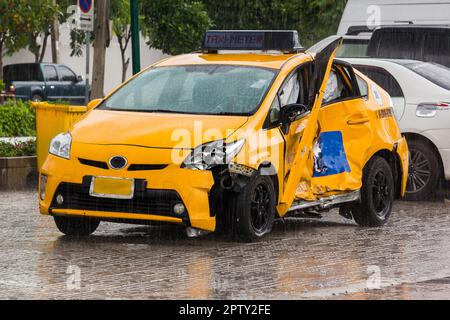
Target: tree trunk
{"type": "Point", "coordinates": [55, 38]}
{"type": "Point", "coordinates": [101, 30]}
{"type": "Point", "coordinates": [44, 47]}
{"type": "Point", "coordinates": [1, 60]}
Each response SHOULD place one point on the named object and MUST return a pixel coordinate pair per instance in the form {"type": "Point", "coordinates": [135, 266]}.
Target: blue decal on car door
{"type": "Point", "coordinates": [329, 155]}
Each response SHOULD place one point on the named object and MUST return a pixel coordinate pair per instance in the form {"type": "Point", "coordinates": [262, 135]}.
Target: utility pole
{"type": "Point", "coordinates": [135, 45]}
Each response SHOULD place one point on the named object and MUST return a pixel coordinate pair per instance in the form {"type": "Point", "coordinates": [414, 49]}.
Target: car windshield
{"type": "Point", "coordinates": [205, 89]}
{"type": "Point", "coordinates": [436, 73]}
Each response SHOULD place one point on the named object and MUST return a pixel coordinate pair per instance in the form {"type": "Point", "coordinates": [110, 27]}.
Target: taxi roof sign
{"type": "Point", "coordinates": [260, 40]}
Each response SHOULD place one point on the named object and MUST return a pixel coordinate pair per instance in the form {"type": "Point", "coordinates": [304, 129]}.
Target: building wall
{"type": "Point", "coordinates": [113, 68]}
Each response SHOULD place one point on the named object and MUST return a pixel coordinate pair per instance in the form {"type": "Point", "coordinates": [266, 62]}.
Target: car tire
{"type": "Point", "coordinates": [377, 194]}
{"type": "Point", "coordinates": [36, 98]}
{"type": "Point", "coordinates": [424, 171]}
{"type": "Point", "coordinates": [251, 212]}
{"type": "Point", "coordinates": [74, 226]}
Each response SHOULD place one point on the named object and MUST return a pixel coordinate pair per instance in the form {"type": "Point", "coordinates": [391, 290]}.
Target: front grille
{"type": "Point", "coordinates": [93, 163]}
{"type": "Point", "coordinates": [146, 201]}
{"type": "Point", "coordinates": [133, 167]}
{"type": "Point", "coordinates": [145, 167]}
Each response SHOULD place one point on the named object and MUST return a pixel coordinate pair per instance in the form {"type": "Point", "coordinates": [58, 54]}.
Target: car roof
{"type": "Point", "coordinates": [262, 60]}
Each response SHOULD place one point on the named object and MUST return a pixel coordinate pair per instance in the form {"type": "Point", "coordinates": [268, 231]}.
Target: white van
{"type": "Point", "coordinates": [365, 15]}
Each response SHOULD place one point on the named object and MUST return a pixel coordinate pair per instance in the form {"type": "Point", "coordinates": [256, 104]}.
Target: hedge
{"type": "Point", "coordinates": [17, 119]}
{"type": "Point", "coordinates": [18, 150]}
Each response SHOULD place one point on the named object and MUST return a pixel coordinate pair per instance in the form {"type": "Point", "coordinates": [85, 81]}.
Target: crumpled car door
{"type": "Point", "coordinates": [323, 54]}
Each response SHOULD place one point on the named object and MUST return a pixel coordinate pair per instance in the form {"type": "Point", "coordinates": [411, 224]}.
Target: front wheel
{"type": "Point", "coordinates": [252, 211]}
{"type": "Point", "coordinates": [75, 226]}
{"type": "Point", "coordinates": [377, 194]}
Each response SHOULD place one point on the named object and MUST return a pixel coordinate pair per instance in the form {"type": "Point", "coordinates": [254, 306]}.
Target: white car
{"type": "Point", "coordinates": [420, 93]}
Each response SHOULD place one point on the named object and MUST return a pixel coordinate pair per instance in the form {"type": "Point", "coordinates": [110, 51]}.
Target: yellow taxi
{"type": "Point", "coordinates": [249, 129]}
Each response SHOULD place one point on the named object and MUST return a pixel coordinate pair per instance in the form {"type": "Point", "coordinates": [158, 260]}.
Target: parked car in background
{"type": "Point", "coordinates": [424, 43]}
{"type": "Point", "coordinates": [420, 92]}
{"type": "Point", "coordinates": [400, 29]}
{"type": "Point", "coordinates": [362, 15]}
{"type": "Point", "coordinates": [44, 81]}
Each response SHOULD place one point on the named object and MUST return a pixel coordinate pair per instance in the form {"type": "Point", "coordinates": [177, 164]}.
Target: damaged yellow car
{"type": "Point", "coordinates": [250, 129]}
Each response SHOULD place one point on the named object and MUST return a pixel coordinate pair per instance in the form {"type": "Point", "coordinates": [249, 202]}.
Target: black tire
{"type": "Point", "coordinates": [36, 98]}
{"type": "Point", "coordinates": [424, 171]}
{"type": "Point", "coordinates": [377, 194]}
{"type": "Point", "coordinates": [251, 212]}
{"type": "Point", "coordinates": [74, 226]}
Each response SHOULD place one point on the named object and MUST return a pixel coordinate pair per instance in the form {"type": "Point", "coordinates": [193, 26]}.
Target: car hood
{"type": "Point", "coordinates": [157, 130]}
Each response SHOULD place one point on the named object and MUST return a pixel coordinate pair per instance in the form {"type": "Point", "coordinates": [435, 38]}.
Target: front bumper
{"type": "Point", "coordinates": [162, 188]}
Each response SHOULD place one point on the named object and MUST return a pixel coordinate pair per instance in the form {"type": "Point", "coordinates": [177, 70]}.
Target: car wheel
{"type": "Point", "coordinates": [252, 210]}
{"type": "Point", "coordinates": [74, 226]}
{"type": "Point", "coordinates": [377, 194]}
{"type": "Point", "coordinates": [36, 98]}
{"type": "Point", "coordinates": [424, 169]}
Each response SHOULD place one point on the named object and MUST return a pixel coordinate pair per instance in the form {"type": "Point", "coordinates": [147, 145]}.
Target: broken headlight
{"type": "Point", "coordinates": [214, 153]}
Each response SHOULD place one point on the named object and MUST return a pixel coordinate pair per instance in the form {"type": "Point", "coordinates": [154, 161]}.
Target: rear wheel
{"type": "Point", "coordinates": [36, 98]}
{"type": "Point", "coordinates": [424, 169]}
{"type": "Point", "coordinates": [252, 211]}
{"type": "Point", "coordinates": [377, 194]}
{"type": "Point", "coordinates": [75, 226]}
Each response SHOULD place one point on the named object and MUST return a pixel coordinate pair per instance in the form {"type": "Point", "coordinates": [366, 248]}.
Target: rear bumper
{"type": "Point", "coordinates": [163, 188]}
{"type": "Point", "coordinates": [445, 154]}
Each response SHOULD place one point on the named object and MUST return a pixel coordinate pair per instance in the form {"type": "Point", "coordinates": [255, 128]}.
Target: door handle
{"type": "Point", "coordinates": [358, 121]}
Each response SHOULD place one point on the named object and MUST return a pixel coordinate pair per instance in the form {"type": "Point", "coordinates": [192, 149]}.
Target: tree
{"type": "Point", "coordinates": [120, 14]}
{"type": "Point", "coordinates": [40, 16]}
{"type": "Point", "coordinates": [101, 41]}
{"type": "Point", "coordinates": [174, 26]}
{"type": "Point", "coordinates": [314, 19]}
{"type": "Point", "coordinates": [13, 28]}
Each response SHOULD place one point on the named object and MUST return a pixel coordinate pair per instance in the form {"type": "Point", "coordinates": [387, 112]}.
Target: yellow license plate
{"type": "Point", "coordinates": [116, 188]}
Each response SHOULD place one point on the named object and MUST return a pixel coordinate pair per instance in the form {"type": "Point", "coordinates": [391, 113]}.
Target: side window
{"type": "Point", "coordinates": [337, 89]}
{"type": "Point", "coordinates": [363, 87]}
{"type": "Point", "coordinates": [50, 73]}
{"type": "Point", "coordinates": [274, 113]}
{"type": "Point", "coordinates": [383, 78]}
{"type": "Point", "coordinates": [65, 74]}
{"type": "Point", "coordinates": [294, 90]}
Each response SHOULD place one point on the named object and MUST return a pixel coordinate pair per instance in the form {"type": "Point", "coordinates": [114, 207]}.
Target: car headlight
{"type": "Point", "coordinates": [60, 145]}
{"type": "Point", "coordinates": [211, 154]}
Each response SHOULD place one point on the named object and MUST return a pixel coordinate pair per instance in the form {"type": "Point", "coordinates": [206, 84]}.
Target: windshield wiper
{"type": "Point", "coordinates": [148, 110]}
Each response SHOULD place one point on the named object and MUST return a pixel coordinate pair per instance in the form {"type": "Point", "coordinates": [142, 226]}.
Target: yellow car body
{"type": "Point", "coordinates": [148, 143]}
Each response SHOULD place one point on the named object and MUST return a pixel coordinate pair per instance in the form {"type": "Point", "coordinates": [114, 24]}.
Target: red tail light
{"type": "Point", "coordinates": [12, 89]}
{"type": "Point", "coordinates": [430, 109]}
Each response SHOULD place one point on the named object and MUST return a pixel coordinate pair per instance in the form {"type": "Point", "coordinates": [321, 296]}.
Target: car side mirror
{"type": "Point", "coordinates": [79, 78]}
{"type": "Point", "coordinates": [290, 113]}
{"type": "Point", "coordinates": [93, 103]}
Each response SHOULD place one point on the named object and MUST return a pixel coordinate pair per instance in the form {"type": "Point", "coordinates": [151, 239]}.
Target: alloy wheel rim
{"type": "Point", "coordinates": [381, 195]}
{"type": "Point", "coordinates": [419, 172]}
{"type": "Point", "coordinates": [260, 208]}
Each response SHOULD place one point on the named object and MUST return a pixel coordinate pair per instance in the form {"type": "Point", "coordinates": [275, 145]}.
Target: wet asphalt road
{"type": "Point", "coordinates": [331, 258]}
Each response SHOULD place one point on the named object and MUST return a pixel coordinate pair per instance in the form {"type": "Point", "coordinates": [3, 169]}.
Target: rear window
{"type": "Point", "coordinates": [383, 78]}
{"type": "Point", "coordinates": [436, 73]}
{"type": "Point", "coordinates": [22, 72]}
{"type": "Point", "coordinates": [424, 44]}
{"type": "Point", "coordinates": [353, 48]}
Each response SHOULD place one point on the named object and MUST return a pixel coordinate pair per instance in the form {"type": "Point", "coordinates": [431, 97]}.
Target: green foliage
{"type": "Point", "coordinates": [313, 19]}
{"type": "Point", "coordinates": [40, 16]}
{"type": "Point", "coordinates": [17, 119]}
{"type": "Point", "coordinates": [174, 26]}
{"type": "Point", "coordinates": [2, 85]}
{"type": "Point", "coordinates": [19, 150]}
